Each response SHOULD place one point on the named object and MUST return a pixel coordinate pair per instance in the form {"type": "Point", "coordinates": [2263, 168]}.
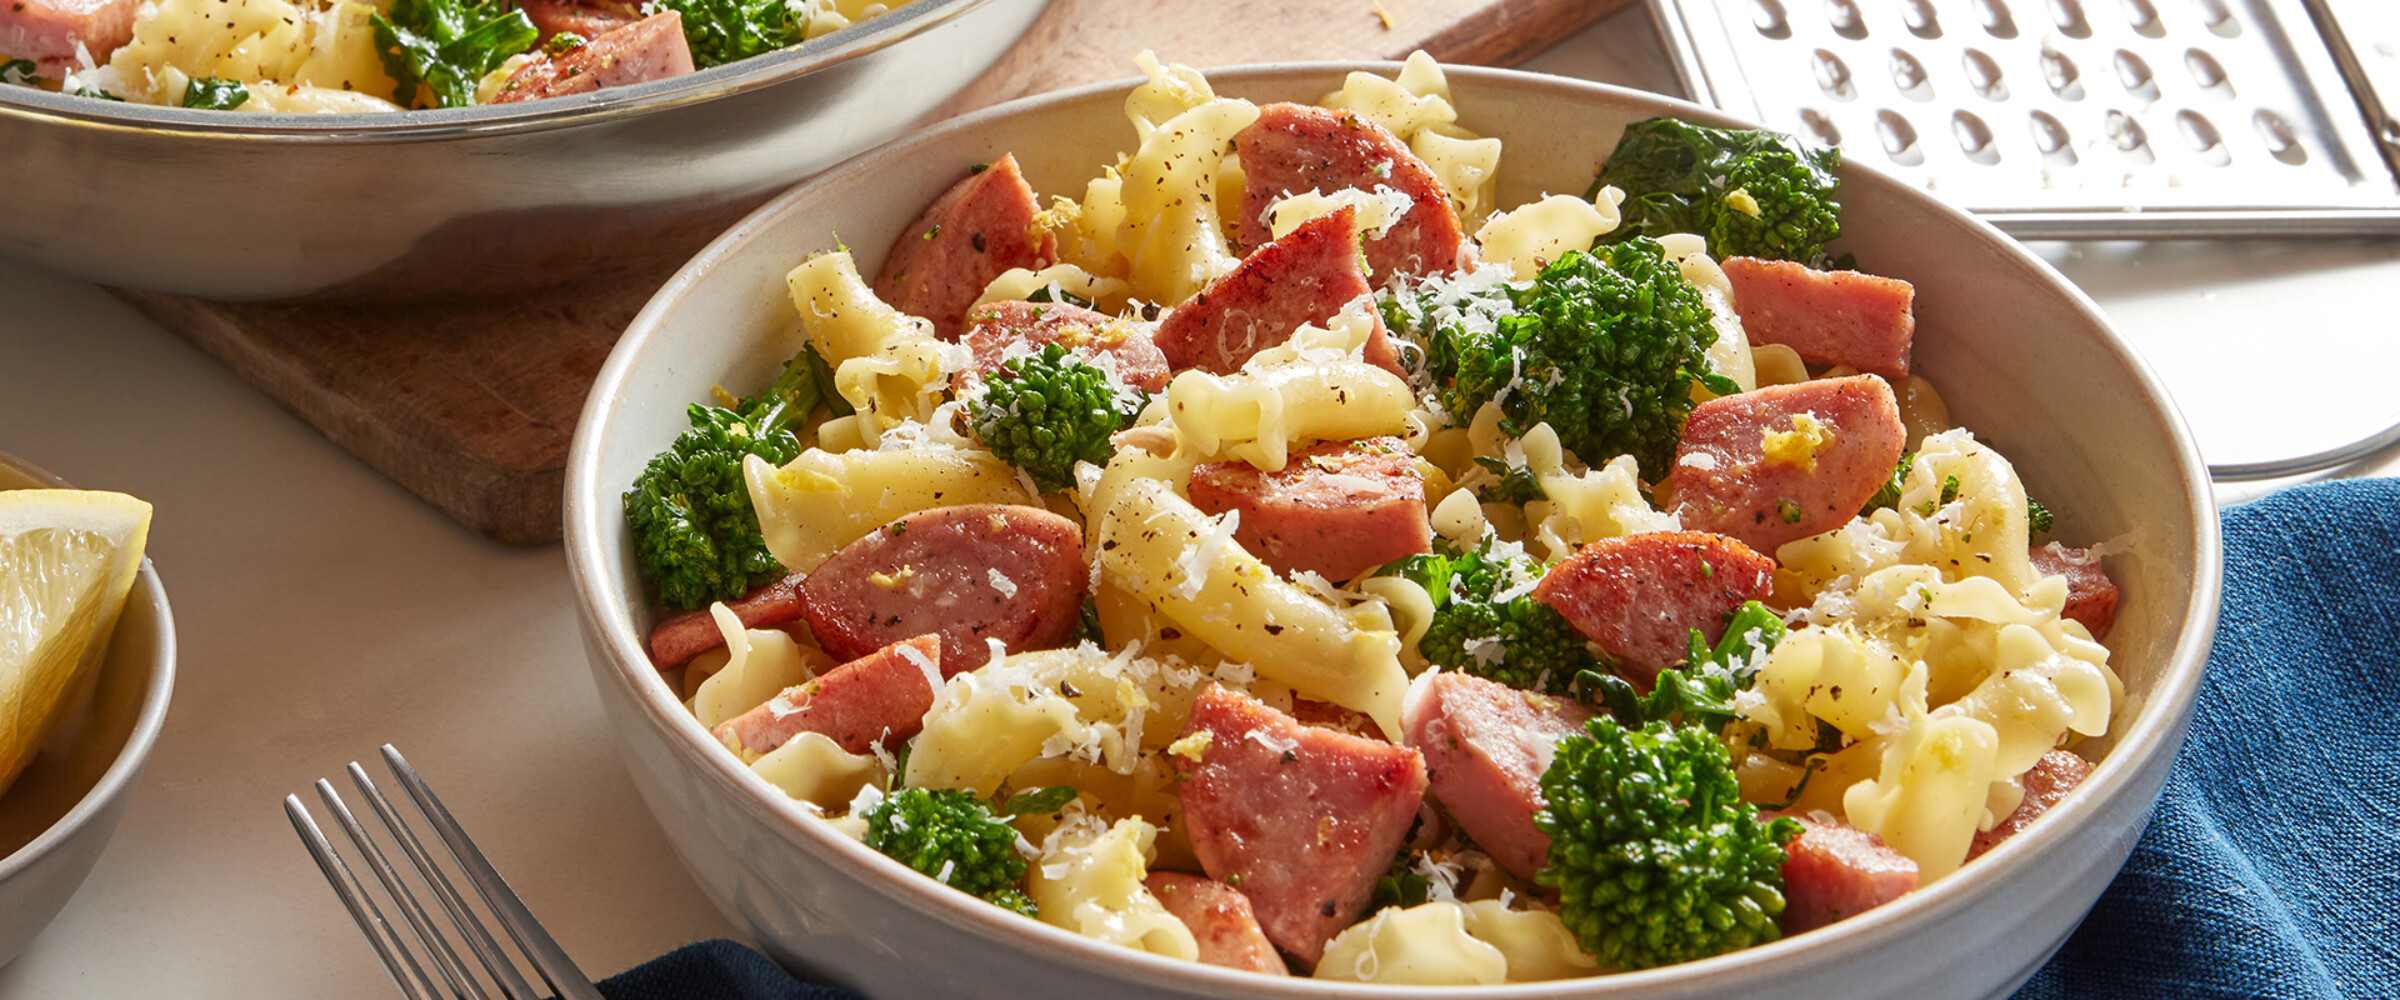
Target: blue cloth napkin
{"type": "Point", "coordinates": [2272, 867]}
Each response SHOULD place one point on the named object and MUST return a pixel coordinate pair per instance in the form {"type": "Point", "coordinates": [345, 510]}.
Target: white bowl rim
{"type": "Point", "coordinates": [713, 83]}
{"type": "Point", "coordinates": [2156, 725]}
{"type": "Point", "coordinates": [147, 725]}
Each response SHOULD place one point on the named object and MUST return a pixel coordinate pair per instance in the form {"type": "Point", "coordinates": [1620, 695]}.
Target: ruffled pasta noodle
{"type": "Point", "coordinates": [1089, 880]}
{"type": "Point", "coordinates": [822, 500]}
{"type": "Point", "coordinates": [1170, 234]}
{"type": "Point", "coordinates": [1256, 416]}
{"type": "Point", "coordinates": [886, 363]}
{"type": "Point", "coordinates": [1449, 943]}
{"type": "Point", "coordinates": [1527, 238]}
{"type": "Point", "coordinates": [1166, 553]}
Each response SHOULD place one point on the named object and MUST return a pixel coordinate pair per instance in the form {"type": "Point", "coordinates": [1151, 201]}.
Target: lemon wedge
{"type": "Point", "coordinates": [67, 560]}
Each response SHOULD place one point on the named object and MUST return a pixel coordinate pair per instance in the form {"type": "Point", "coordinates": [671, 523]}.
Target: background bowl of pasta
{"type": "Point", "coordinates": [463, 200]}
{"type": "Point", "coordinates": [2023, 359]}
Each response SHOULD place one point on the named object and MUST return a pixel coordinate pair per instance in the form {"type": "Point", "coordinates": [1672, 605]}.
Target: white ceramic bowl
{"type": "Point", "coordinates": [2021, 356]}
{"type": "Point", "coordinates": [63, 809]}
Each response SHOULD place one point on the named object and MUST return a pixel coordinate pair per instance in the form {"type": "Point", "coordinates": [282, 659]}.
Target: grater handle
{"type": "Point", "coordinates": [2369, 84]}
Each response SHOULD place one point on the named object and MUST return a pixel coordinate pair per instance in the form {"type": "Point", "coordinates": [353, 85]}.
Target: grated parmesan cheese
{"type": "Point", "coordinates": [1001, 582]}
{"type": "Point", "coordinates": [1196, 560]}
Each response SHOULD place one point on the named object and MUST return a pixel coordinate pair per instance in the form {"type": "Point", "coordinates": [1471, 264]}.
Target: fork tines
{"type": "Point", "coordinates": [432, 969]}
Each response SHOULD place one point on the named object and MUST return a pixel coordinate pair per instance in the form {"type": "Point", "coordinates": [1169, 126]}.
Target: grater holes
{"type": "Point", "coordinates": [1909, 77]}
{"type": "Point", "coordinates": [1921, 19]}
{"type": "Point", "coordinates": [2050, 139]}
{"type": "Point", "coordinates": [2142, 15]}
{"type": "Point", "coordinates": [1974, 138]}
{"type": "Point", "coordinates": [2068, 15]}
{"type": "Point", "coordinates": [1983, 74]}
{"type": "Point", "coordinates": [2218, 16]}
{"type": "Point", "coordinates": [1769, 18]}
{"type": "Point", "coordinates": [1899, 139]}
{"type": "Point", "coordinates": [2060, 73]}
{"type": "Point", "coordinates": [1846, 19]}
{"type": "Point", "coordinates": [1997, 21]}
{"type": "Point", "coordinates": [1833, 76]}
{"type": "Point", "coordinates": [2130, 138]}
{"type": "Point", "coordinates": [2208, 74]}
{"type": "Point", "coordinates": [1821, 127]}
{"type": "Point", "coordinates": [2135, 75]}
{"type": "Point", "coordinates": [2201, 134]}
{"type": "Point", "coordinates": [2282, 142]}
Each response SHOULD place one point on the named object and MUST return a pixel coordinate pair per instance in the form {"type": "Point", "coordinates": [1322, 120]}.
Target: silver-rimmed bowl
{"type": "Point", "coordinates": [466, 201]}
{"type": "Point", "coordinates": [62, 810]}
{"type": "Point", "coordinates": [2021, 355]}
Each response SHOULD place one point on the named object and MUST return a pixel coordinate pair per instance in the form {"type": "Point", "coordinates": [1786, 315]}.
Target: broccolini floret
{"type": "Point", "coordinates": [1656, 857]}
{"type": "Point", "coordinates": [1751, 193]}
{"type": "Point", "coordinates": [1487, 623]}
{"type": "Point", "coordinates": [695, 536]}
{"type": "Point", "coordinates": [955, 838]}
{"type": "Point", "coordinates": [1045, 412]}
{"type": "Point", "coordinates": [1602, 346]}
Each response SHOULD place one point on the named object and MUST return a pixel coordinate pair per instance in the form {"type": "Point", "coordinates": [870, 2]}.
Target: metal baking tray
{"type": "Point", "coordinates": [2080, 119]}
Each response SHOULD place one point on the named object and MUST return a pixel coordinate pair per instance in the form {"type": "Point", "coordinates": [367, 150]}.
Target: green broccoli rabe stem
{"type": "Point", "coordinates": [696, 537]}
{"type": "Point", "coordinates": [1044, 412]}
{"type": "Point", "coordinates": [1603, 346]}
{"type": "Point", "coordinates": [954, 837]}
{"type": "Point", "coordinates": [1701, 692]}
{"type": "Point", "coordinates": [1656, 858]}
{"type": "Point", "coordinates": [1520, 642]}
{"type": "Point", "coordinates": [445, 47]}
{"type": "Point", "coordinates": [1751, 193]}
{"type": "Point", "coordinates": [723, 31]}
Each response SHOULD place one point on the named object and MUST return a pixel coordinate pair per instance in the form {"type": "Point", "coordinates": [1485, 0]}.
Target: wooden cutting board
{"type": "Point", "coordinates": [471, 405]}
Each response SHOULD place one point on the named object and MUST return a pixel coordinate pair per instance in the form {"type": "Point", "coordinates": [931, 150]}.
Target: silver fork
{"type": "Point", "coordinates": [450, 977]}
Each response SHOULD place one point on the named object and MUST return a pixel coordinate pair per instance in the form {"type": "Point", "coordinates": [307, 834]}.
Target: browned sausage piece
{"type": "Point", "coordinates": [1295, 148]}
{"type": "Point", "coordinates": [589, 19]}
{"type": "Point", "coordinates": [1484, 745]}
{"type": "Point", "coordinates": [979, 228]}
{"type": "Point", "coordinates": [2049, 780]}
{"type": "Point", "coordinates": [1221, 921]}
{"type": "Point", "coordinates": [1640, 596]}
{"type": "Point", "coordinates": [1302, 820]}
{"type": "Point", "coordinates": [1306, 277]}
{"type": "Point", "coordinates": [880, 698]}
{"type": "Point", "coordinates": [1865, 321]}
{"type": "Point", "coordinates": [1339, 508]}
{"type": "Point", "coordinates": [1727, 481]}
{"type": "Point", "coordinates": [995, 327]}
{"type": "Point", "coordinates": [2091, 595]}
{"type": "Point", "coordinates": [47, 32]}
{"type": "Point", "coordinates": [969, 573]}
{"type": "Point", "coordinates": [692, 633]}
{"type": "Point", "coordinates": [649, 49]}
{"type": "Point", "coordinates": [1833, 871]}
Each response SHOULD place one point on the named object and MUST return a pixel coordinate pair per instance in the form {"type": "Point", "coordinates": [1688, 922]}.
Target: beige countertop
{"type": "Point", "coordinates": [323, 611]}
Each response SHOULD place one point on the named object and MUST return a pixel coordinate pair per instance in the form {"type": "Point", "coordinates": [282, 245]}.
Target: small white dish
{"type": "Point", "coordinates": [63, 809]}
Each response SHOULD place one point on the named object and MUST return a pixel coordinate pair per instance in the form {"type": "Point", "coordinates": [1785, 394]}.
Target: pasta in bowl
{"type": "Point", "coordinates": [1385, 736]}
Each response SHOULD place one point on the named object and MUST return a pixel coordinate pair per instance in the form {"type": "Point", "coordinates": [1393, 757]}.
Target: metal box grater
{"type": "Point", "coordinates": [2079, 119]}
